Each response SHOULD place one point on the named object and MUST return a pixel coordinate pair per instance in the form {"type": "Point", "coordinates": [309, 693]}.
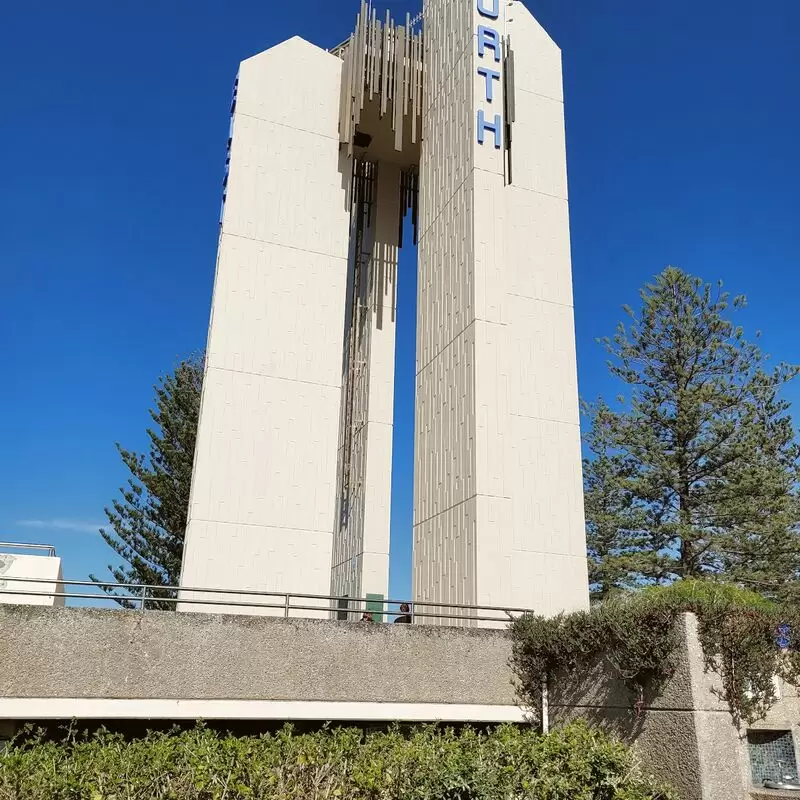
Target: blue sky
{"type": "Point", "coordinates": [683, 125]}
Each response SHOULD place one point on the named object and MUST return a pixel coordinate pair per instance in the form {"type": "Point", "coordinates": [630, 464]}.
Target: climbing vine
{"type": "Point", "coordinates": [746, 639]}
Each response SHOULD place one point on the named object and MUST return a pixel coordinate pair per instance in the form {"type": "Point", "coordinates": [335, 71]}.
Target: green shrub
{"type": "Point", "coordinates": [636, 633]}
{"type": "Point", "coordinates": [431, 763]}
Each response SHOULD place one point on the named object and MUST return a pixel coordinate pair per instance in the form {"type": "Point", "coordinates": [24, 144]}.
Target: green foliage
{"type": "Point", "coordinates": [637, 635]}
{"type": "Point", "coordinates": [148, 524]}
{"type": "Point", "coordinates": [696, 473]}
{"type": "Point", "coordinates": [574, 763]}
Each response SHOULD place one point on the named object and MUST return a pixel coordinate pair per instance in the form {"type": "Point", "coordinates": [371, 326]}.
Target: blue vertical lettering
{"type": "Point", "coordinates": [495, 127]}
{"type": "Point", "coordinates": [489, 37]}
{"type": "Point", "coordinates": [489, 8]}
{"type": "Point", "coordinates": [489, 75]}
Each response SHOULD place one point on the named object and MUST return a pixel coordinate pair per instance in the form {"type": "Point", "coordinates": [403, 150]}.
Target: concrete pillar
{"type": "Point", "coordinates": [264, 485]}
{"type": "Point", "coordinates": [498, 515]}
{"type": "Point", "coordinates": [361, 541]}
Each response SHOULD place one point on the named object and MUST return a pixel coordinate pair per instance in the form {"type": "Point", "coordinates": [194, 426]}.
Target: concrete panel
{"type": "Point", "coordinates": [544, 168]}
{"type": "Point", "coordinates": [493, 366]}
{"type": "Point", "coordinates": [89, 653]}
{"type": "Point", "coordinates": [665, 742]}
{"type": "Point", "coordinates": [445, 281]}
{"type": "Point", "coordinates": [547, 491]}
{"type": "Point", "coordinates": [286, 187]}
{"type": "Point", "coordinates": [491, 265]}
{"type": "Point", "coordinates": [283, 85]}
{"type": "Point", "coordinates": [543, 383]}
{"type": "Point", "coordinates": [445, 510]}
{"type": "Point", "coordinates": [445, 558]}
{"type": "Point", "coordinates": [495, 555]}
{"type": "Point", "coordinates": [265, 296]}
{"type": "Point", "coordinates": [536, 250]}
{"type": "Point", "coordinates": [378, 490]}
{"type": "Point", "coordinates": [537, 58]}
{"type": "Point", "coordinates": [445, 430]}
{"type": "Point", "coordinates": [241, 551]}
{"type": "Point", "coordinates": [599, 687]}
{"type": "Point", "coordinates": [549, 582]}
{"type": "Point", "coordinates": [364, 474]}
{"type": "Point", "coordinates": [683, 731]}
{"type": "Point", "coordinates": [267, 456]}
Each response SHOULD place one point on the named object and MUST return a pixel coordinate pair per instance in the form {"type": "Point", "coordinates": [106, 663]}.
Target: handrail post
{"type": "Point", "coordinates": [286, 607]}
{"type": "Point", "coordinates": [144, 598]}
{"type": "Point", "coordinates": [545, 706]}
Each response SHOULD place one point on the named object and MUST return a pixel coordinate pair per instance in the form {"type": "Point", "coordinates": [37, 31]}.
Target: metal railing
{"type": "Point", "coordinates": [138, 596]}
{"type": "Point", "coordinates": [51, 551]}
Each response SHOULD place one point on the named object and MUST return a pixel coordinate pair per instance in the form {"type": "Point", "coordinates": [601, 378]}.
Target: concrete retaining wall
{"type": "Point", "coordinates": [91, 653]}
{"type": "Point", "coordinates": [685, 734]}
{"type": "Point", "coordinates": [91, 663]}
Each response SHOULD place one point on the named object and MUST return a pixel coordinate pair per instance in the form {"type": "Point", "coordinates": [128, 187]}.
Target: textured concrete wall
{"type": "Point", "coordinates": [685, 733]}
{"type": "Point", "coordinates": [723, 751]}
{"type": "Point", "coordinates": [263, 491]}
{"type": "Point", "coordinates": [498, 514]}
{"type": "Point", "coordinates": [90, 653]}
{"type": "Point", "coordinates": [663, 729]}
{"type": "Point", "coordinates": [445, 501]}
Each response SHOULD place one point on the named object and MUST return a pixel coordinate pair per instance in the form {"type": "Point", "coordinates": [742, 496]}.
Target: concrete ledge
{"type": "Point", "coordinates": [81, 708]}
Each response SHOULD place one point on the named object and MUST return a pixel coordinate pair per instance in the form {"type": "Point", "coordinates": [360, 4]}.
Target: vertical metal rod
{"type": "Point", "coordinates": [144, 598]}
{"type": "Point", "coordinates": [545, 707]}
{"type": "Point", "coordinates": [286, 607]}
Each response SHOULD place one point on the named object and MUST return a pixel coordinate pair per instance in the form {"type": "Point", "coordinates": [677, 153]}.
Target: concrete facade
{"type": "Point", "coordinates": [263, 493]}
{"type": "Point", "coordinates": [498, 517]}
{"type": "Point", "coordinates": [292, 482]}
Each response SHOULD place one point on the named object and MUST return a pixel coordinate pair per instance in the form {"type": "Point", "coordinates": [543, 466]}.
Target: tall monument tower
{"type": "Point", "coordinates": [455, 117]}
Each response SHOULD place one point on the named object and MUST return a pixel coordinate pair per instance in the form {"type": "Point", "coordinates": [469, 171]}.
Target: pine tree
{"type": "Point", "coordinates": [697, 474]}
{"type": "Point", "coordinates": [146, 526]}
{"type": "Point", "coordinates": [612, 512]}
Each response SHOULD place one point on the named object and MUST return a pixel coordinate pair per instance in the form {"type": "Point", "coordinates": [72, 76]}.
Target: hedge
{"type": "Point", "coordinates": [428, 763]}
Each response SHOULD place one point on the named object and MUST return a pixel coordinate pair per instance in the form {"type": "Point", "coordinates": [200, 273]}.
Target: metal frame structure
{"type": "Point", "coordinates": [51, 550]}
{"type": "Point", "coordinates": [382, 59]}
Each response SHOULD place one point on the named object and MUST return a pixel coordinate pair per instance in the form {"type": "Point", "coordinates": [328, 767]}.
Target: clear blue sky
{"type": "Point", "coordinates": [683, 124]}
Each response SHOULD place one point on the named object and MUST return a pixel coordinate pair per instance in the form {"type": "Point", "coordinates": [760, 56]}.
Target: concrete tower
{"type": "Point", "coordinates": [457, 117]}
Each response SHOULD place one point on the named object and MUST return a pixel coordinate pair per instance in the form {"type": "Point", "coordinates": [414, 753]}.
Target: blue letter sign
{"type": "Point", "coordinates": [488, 37]}
{"type": "Point", "coordinates": [489, 75]}
{"type": "Point", "coordinates": [495, 127]}
{"type": "Point", "coordinates": [489, 8]}
{"type": "Point", "coordinates": [489, 40]}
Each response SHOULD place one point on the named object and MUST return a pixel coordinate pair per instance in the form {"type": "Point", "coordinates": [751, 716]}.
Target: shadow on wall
{"type": "Point", "coordinates": [660, 723]}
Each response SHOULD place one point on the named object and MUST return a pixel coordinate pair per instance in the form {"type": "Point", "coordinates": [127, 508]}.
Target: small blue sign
{"type": "Point", "coordinates": [489, 40]}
